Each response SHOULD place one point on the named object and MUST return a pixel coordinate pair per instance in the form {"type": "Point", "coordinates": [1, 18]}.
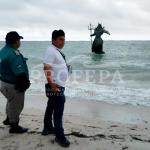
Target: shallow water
{"type": "Point", "coordinates": [121, 75]}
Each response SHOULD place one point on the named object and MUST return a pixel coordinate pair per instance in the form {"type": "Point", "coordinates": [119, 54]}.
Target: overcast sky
{"type": "Point", "coordinates": [35, 19]}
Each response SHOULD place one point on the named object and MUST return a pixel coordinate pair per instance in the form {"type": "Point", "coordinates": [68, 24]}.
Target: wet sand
{"type": "Point", "coordinates": [89, 125]}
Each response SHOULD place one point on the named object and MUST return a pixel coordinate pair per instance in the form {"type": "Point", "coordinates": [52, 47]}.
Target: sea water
{"type": "Point", "coordinates": [121, 75]}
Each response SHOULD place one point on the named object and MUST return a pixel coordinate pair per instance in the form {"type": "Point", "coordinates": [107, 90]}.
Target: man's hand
{"type": "Point", "coordinates": [48, 74]}
{"type": "Point", "coordinates": [22, 82]}
{"type": "Point", "coordinates": [54, 87]}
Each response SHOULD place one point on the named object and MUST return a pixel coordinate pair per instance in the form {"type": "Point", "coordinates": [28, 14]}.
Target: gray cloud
{"type": "Point", "coordinates": [36, 19]}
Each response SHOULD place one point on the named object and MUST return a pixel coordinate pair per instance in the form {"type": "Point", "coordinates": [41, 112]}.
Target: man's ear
{"type": "Point", "coordinates": [53, 40]}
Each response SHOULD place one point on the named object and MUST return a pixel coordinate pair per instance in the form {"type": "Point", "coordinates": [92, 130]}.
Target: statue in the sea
{"type": "Point", "coordinates": [97, 45]}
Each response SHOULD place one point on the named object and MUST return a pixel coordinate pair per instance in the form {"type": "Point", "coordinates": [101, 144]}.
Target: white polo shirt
{"type": "Point", "coordinates": [59, 68]}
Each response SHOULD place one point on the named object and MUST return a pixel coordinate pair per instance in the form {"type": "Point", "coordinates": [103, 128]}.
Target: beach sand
{"type": "Point", "coordinates": [89, 125]}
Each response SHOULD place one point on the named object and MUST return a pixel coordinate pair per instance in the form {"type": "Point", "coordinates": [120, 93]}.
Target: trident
{"type": "Point", "coordinates": [91, 27]}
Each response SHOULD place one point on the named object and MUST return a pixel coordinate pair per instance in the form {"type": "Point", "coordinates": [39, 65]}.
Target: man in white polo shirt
{"type": "Point", "coordinates": [56, 72]}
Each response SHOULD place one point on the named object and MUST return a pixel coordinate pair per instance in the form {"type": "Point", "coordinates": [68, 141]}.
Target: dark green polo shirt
{"type": "Point", "coordinates": [12, 63]}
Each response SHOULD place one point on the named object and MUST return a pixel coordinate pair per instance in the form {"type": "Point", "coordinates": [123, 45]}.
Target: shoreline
{"type": "Point", "coordinates": [88, 125]}
{"type": "Point", "coordinates": [121, 113]}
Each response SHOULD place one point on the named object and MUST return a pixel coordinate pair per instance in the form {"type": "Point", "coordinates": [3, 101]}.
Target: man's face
{"type": "Point", "coordinates": [17, 44]}
{"type": "Point", "coordinates": [59, 42]}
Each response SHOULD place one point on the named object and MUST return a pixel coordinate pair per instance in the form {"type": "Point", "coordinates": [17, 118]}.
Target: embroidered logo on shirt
{"type": "Point", "coordinates": [17, 52]}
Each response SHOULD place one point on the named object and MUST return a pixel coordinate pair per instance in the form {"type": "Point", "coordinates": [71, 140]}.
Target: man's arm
{"type": "Point", "coordinates": [48, 74]}
{"type": "Point", "coordinates": [18, 68]}
{"type": "Point", "coordinates": [22, 82]}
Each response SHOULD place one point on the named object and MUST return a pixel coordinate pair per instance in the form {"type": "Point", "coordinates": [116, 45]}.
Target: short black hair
{"type": "Point", "coordinates": [57, 33]}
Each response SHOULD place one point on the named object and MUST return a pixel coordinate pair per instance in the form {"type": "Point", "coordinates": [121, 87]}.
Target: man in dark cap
{"type": "Point", "coordinates": [14, 80]}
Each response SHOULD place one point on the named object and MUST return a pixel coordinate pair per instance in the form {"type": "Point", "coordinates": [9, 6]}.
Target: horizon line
{"type": "Point", "coordinates": [77, 40]}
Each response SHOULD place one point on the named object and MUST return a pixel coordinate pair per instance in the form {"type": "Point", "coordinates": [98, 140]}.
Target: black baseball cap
{"type": "Point", "coordinates": [13, 35]}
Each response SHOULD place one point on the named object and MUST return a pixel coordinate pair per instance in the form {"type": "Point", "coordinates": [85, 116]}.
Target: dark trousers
{"type": "Point", "coordinates": [54, 112]}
